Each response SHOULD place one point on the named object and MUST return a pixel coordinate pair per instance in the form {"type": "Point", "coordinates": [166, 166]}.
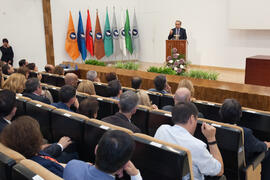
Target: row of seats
{"type": "Point", "coordinates": [155, 159]}
{"type": "Point", "coordinates": [86, 134]}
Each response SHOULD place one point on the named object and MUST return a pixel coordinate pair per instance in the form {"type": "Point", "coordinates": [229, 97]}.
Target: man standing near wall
{"type": "Point", "coordinates": [7, 52]}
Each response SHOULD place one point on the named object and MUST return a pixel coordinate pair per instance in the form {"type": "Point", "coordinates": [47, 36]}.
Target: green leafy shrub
{"type": "Point", "coordinates": [161, 70]}
{"type": "Point", "coordinates": [95, 62]}
{"type": "Point", "coordinates": [199, 74]}
{"type": "Point", "coordinates": [128, 65]}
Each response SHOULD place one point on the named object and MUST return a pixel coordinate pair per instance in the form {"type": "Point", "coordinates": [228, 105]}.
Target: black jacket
{"type": "Point", "coordinates": [183, 35]}
{"type": "Point", "coordinates": [37, 98]}
{"type": "Point", "coordinates": [7, 53]}
{"type": "Point", "coordinates": [121, 120]}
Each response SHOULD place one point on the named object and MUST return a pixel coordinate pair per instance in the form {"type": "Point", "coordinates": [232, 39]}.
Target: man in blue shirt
{"type": "Point", "coordinates": [67, 96]}
{"type": "Point", "coordinates": [113, 154]}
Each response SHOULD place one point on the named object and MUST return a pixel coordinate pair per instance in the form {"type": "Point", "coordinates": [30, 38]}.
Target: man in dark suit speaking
{"type": "Point", "coordinates": [177, 32]}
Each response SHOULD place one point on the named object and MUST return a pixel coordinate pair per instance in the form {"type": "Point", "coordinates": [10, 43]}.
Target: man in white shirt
{"type": "Point", "coordinates": [184, 115]}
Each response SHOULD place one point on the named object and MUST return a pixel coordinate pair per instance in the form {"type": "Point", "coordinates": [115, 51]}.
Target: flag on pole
{"type": "Point", "coordinates": [71, 44]}
{"type": "Point", "coordinates": [108, 42]}
{"type": "Point", "coordinates": [99, 44]}
{"type": "Point", "coordinates": [122, 35]}
{"type": "Point", "coordinates": [89, 35]}
{"type": "Point", "coordinates": [81, 38]}
{"type": "Point", "coordinates": [135, 36]}
{"type": "Point", "coordinates": [128, 34]}
{"type": "Point", "coordinates": [115, 35]}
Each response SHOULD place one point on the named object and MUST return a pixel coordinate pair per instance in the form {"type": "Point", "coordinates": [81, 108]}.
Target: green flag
{"type": "Point", "coordinates": [128, 35]}
{"type": "Point", "coordinates": [108, 41]}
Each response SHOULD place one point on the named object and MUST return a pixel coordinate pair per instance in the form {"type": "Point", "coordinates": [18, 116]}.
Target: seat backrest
{"type": "Point", "coordinates": [28, 169]}
{"type": "Point", "coordinates": [11, 153]}
{"type": "Point", "coordinates": [101, 89]}
{"type": "Point", "coordinates": [66, 123]}
{"type": "Point", "coordinates": [166, 99]}
{"type": "Point", "coordinates": [44, 78]}
{"type": "Point", "coordinates": [54, 92]}
{"type": "Point", "coordinates": [154, 97]}
{"type": "Point", "coordinates": [230, 139]}
{"type": "Point", "coordinates": [258, 121]}
{"type": "Point", "coordinates": [140, 118]}
{"type": "Point", "coordinates": [42, 113]}
{"type": "Point", "coordinates": [160, 160]}
{"type": "Point", "coordinates": [6, 164]}
{"type": "Point", "coordinates": [157, 118]}
{"type": "Point", "coordinates": [107, 106]}
{"type": "Point", "coordinates": [32, 74]}
{"type": "Point", "coordinates": [81, 96]}
{"type": "Point", "coordinates": [21, 104]}
{"type": "Point", "coordinates": [94, 129]}
{"type": "Point", "coordinates": [124, 89]}
{"type": "Point", "coordinates": [209, 110]}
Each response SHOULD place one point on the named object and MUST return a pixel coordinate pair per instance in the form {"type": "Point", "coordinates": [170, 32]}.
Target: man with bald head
{"type": "Point", "coordinates": [71, 79]}
{"type": "Point", "coordinates": [181, 95]}
{"type": "Point", "coordinates": [49, 68]}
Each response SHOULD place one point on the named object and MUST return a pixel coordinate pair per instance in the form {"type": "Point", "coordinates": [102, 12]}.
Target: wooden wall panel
{"type": "Point", "coordinates": [47, 18]}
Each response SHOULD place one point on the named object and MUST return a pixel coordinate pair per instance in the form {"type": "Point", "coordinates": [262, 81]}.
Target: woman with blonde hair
{"type": "Point", "coordinates": [187, 84]}
{"type": "Point", "coordinates": [145, 100]}
{"type": "Point", "coordinates": [15, 83]}
{"type": "Point", "coordinates": [87, 87]}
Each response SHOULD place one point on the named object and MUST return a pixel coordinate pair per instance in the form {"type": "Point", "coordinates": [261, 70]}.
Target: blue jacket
{"type": "Point", "coordinates": [61, 105]}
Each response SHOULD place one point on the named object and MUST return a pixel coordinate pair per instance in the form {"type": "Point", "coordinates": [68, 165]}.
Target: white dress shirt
{"type": "Point", "coordinates": [203, 163]}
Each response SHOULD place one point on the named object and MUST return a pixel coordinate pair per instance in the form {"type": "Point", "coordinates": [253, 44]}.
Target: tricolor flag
{"type": "Point", "coordinates": [71, 45]}
{"type": "Point", "coordinates": [135, 36]}
{"type": "Point", "coordinates": [99, 44]}
{"type": "Point", "coordinates": [128, 34]}
{"type": "Point", "coordinates": [89, 35]}
{"type": "Point", "coordinates": [81, 37]}
{"type": "Point", "coordinates": [108, 41]}
{"type": "Point", "coordinates": [122, 35]}
{"type": "Point", "coordinates": [115, 35]}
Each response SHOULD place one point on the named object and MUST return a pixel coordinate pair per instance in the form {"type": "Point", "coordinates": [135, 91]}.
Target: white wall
{"type": "Point", "coordinates": [211, 42]}
{"type": "Point", "coordinates": [22, 24]}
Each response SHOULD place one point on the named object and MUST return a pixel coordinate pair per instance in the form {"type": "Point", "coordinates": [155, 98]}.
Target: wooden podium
{"type": "Point", "coordinates": [180, 45]}
{"type": "Point", "coordinates": [258, 70]}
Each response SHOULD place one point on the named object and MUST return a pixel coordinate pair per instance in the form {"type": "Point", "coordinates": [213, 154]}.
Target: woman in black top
{"type": "Point", "coordinates": [7, 52]}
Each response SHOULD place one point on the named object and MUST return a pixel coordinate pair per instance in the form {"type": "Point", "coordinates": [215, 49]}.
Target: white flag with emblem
{"type": "Point", "coordinates": [122, 34]}
{"type": "Point", "coordinates": [115, 31]}
{"type": "Point", "coordinates": [135, 36]}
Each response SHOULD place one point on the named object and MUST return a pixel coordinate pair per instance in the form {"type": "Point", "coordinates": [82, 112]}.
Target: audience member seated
{"type": "Point", "coordinates": [49, 68]}
{"type": "Point", "coordinates": [136, 82]}
{"type": "Point", "coordinates": [184, 116]}
{"type": "Point", "coordinates": [23, 135]}
{"type": "Point", "coordinates": [7, 69]}
{"type": "Point", "coordinates": [33, 90]}
{"type": "Point", "coordinates": [161, 85]}
{"type": "Point", "coordinates": [86, 87]}
{"type": "Point", "coordinates": [15, 83]}
{"type": "Point", "coordinates": [113, 154]}
{"type": "Point", "coordinates": [7, 108]}
{"type": "Point", "coordinates": [32, 67]}
{"type": "Point", "coordinates": [67, 96]}
{"type": "Point", "coordinates": [127, 107]}
{"type": "Point", "coordinates": [114, 89]}
{"type": "Point", "coordinates": [181, 95]}
{"type": "Point", "coordinates": [89, 107]}
{"type": "Point", "coordinates": [59, 70]}
{"type": "Point", "coordinates": [145, 100]}
{"type": "Point", "coordinates": [24, 71]}
{"type": "Point", "coordinates": [189, 85]}
{"type": "Point", "coordinates": [231, 112]}
{"type": "Point", "coordinates": [23, 63]}
{"type": "Point", "coordinates": [71, 79]}
{"type": "Point", "coordinates": [110, 76]}
{"type": "Point", "coordinates": [92, 76]}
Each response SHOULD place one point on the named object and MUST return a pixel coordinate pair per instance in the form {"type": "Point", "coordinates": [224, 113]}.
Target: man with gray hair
{"type": "Point", "coordinates": [92, 76]}
{"type": "Point", "coordinates": [181, 95]}
{"type": "Point", "coordinates": [127, 107]}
